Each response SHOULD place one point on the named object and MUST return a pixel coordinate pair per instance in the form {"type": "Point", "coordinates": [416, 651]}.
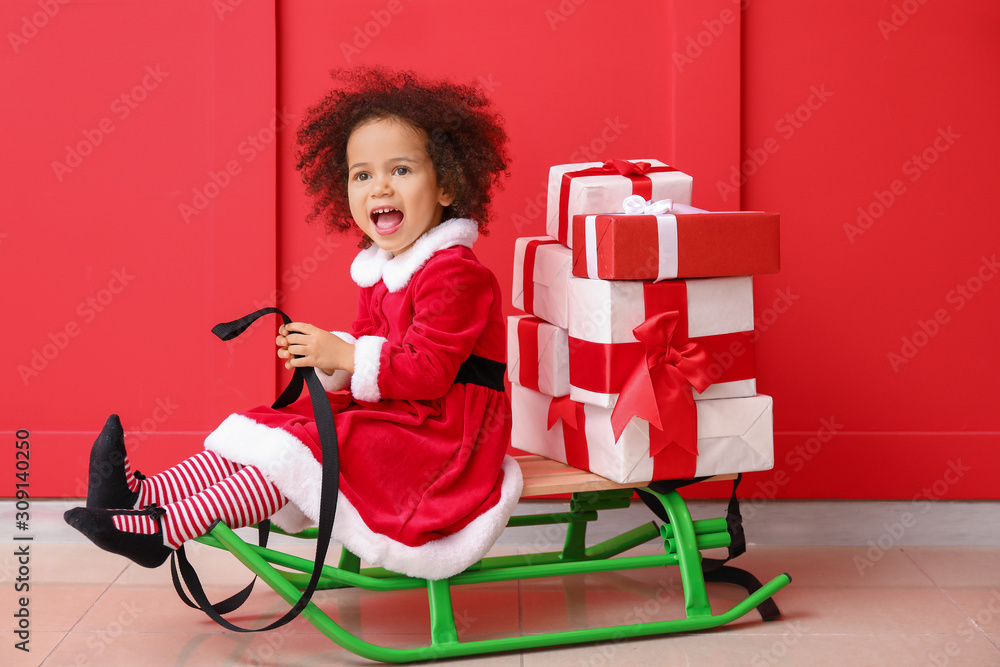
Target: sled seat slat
{"type": "Point", "coordinates": [544, 477]}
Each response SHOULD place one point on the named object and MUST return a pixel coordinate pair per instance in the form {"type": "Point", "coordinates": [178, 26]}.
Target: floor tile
{"type": "Point", "coordinates": [174, 648]}
{"type": "Point", "coordinates": [214, 566]}
{"type": "Point", "coordinates": [50, 607]}
{"type": "Point", "coordinates": [872, 585]}
{"type": "Point", "coordinates": [835, 566]}
{"type": "Point", "coordinates": [40, 644]}
{"type": "Point", "coordinates": [158, 609]}
{"type": "Point", "coordinates": [865, 610]}
{"type": "Point", "coordinates": [981, 607]}
{"type": "Point", "coordinates": [62, 563]}
{"type": "Point", "coordinates": [721, 649]}
{"type": "Point", "coordinates": [274, 648]}
{"type": "Point", "coordinates": [969, 567]}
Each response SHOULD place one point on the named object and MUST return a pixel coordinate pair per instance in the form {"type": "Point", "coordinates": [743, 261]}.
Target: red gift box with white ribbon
{"type": "Point", "coordinates": [618, 339]}
{"type": "Point", "coordinates": [733, 435]}
{"type": "Point", "coordinates": [542, 269]}
{"type": "Point", "coordinates": [600, 187]}
{"type": "Point", "coordinates": [537, 355]}
{"type": "Point", "coordinates": [664, 240]}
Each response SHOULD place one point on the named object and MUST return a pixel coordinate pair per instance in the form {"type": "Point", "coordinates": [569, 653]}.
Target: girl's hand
{"type": "Point", "coordinates": [302, 344]}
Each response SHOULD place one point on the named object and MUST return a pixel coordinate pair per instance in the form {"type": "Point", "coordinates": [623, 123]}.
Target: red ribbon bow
{"type": "Point", "coordinates": [635, 171]}
{"type": "Point", "coordinates": [626, 168]}
{"type": "Point", "coordinates": [659, 388]}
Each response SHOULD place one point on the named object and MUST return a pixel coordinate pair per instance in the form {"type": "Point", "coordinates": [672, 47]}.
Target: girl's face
{"type": "Point", "coordinates": [392, 188]}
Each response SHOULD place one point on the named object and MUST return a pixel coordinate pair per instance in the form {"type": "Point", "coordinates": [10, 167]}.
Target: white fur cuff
{"type": "Point", "coordinates": [340, 379]}
{"type": "Point", "coordinates": [367, 360]}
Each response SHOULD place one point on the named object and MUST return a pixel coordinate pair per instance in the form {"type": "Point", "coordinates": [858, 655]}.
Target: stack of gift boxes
{"type": "Point", "coordinates": [635, 359]}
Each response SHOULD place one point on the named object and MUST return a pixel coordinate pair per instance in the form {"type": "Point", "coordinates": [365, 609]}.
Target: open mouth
{"type": "Point", "coordinates": [386, 219]}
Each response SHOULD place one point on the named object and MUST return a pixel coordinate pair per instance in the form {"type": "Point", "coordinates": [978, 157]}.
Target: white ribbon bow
{"type": "Point", "coordinates": [636, 205]}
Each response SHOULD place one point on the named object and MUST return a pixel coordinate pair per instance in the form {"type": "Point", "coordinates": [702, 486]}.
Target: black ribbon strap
{"type": "Point", "coordinates": [328, 493]}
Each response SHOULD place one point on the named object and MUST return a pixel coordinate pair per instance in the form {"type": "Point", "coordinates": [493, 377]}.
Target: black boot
{"type": "Point", "coordinates": [98, 527]}
{"type": "Point", "coordinates": [107, 487]}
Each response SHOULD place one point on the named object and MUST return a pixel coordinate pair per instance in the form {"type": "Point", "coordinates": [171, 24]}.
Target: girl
{"type": "Point", "coordinates": [416, 387]}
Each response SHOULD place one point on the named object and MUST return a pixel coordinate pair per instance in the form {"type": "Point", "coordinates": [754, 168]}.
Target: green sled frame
{"type": "Point", "coordinates": [683, 538]}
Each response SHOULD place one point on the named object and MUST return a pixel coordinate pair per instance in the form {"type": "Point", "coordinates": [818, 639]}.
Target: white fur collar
{"type": "Point", "coordinates": [373, 264]}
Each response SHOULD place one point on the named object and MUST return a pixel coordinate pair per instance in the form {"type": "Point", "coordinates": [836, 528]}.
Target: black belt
{"type": "Point", "coordinates": [482, 371]}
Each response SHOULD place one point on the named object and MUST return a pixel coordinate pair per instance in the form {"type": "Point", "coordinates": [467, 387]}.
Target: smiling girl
{"type": "Point", "coordinates": [416, 387]}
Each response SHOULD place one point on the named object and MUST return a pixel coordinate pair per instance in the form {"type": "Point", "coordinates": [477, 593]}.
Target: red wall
{"type": "Point", "coordinates": [137, 214]}
{"type": "Point", "coordinates": [886, 185]}
{"type": "Point", "coordinates": [791, 107]}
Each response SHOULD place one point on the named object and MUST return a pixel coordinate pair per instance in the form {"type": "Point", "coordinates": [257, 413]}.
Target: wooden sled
{"type": "Point", "coordinates": [683, 538]}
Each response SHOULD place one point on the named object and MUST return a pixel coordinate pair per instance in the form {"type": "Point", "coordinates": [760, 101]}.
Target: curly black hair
{"type": "Point", "coordinates": [465, 139]}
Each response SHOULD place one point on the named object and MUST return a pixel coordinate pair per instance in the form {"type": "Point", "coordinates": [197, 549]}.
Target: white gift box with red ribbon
{"type": "Point", "coordinates": [542, 269]}
{"type": "Point", "coordinates": [600, 187]}
{"type": "Point", "coordinates": [537, 355]}
{"type": "Point", "coordinates": [714, 323]}
{"type": "Point", "coordinates": [733, 435]}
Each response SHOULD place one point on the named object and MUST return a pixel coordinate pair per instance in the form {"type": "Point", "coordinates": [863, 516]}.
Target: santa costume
{"type": "Point", "coordinates": [423, 423]}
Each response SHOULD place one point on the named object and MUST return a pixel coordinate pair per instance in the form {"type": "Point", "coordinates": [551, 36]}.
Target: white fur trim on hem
{"type": "Point", "coordinates": [290, 465]}
{"type": "Point", "coordinates": [440, 558]}
{"type": "Point", "coordinates": [339, 379]}
{"type": "Point", "coordinates": [367, 362]}
{"type": "Point", "coordinates": [281, 457]}
{"type": "Point", "coordinates": [373, 264]}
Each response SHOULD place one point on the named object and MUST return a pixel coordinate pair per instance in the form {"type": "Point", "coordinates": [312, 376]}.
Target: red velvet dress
{"type": "Point", "coordinates": [423, 431]}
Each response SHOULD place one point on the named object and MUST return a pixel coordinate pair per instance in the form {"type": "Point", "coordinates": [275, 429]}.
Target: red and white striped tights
{"type": "Point", "coordinates": [198, 491]}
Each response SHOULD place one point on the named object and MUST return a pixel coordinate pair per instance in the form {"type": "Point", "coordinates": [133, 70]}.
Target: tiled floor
{"type": "Point", "coordinates": [874, 584]}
